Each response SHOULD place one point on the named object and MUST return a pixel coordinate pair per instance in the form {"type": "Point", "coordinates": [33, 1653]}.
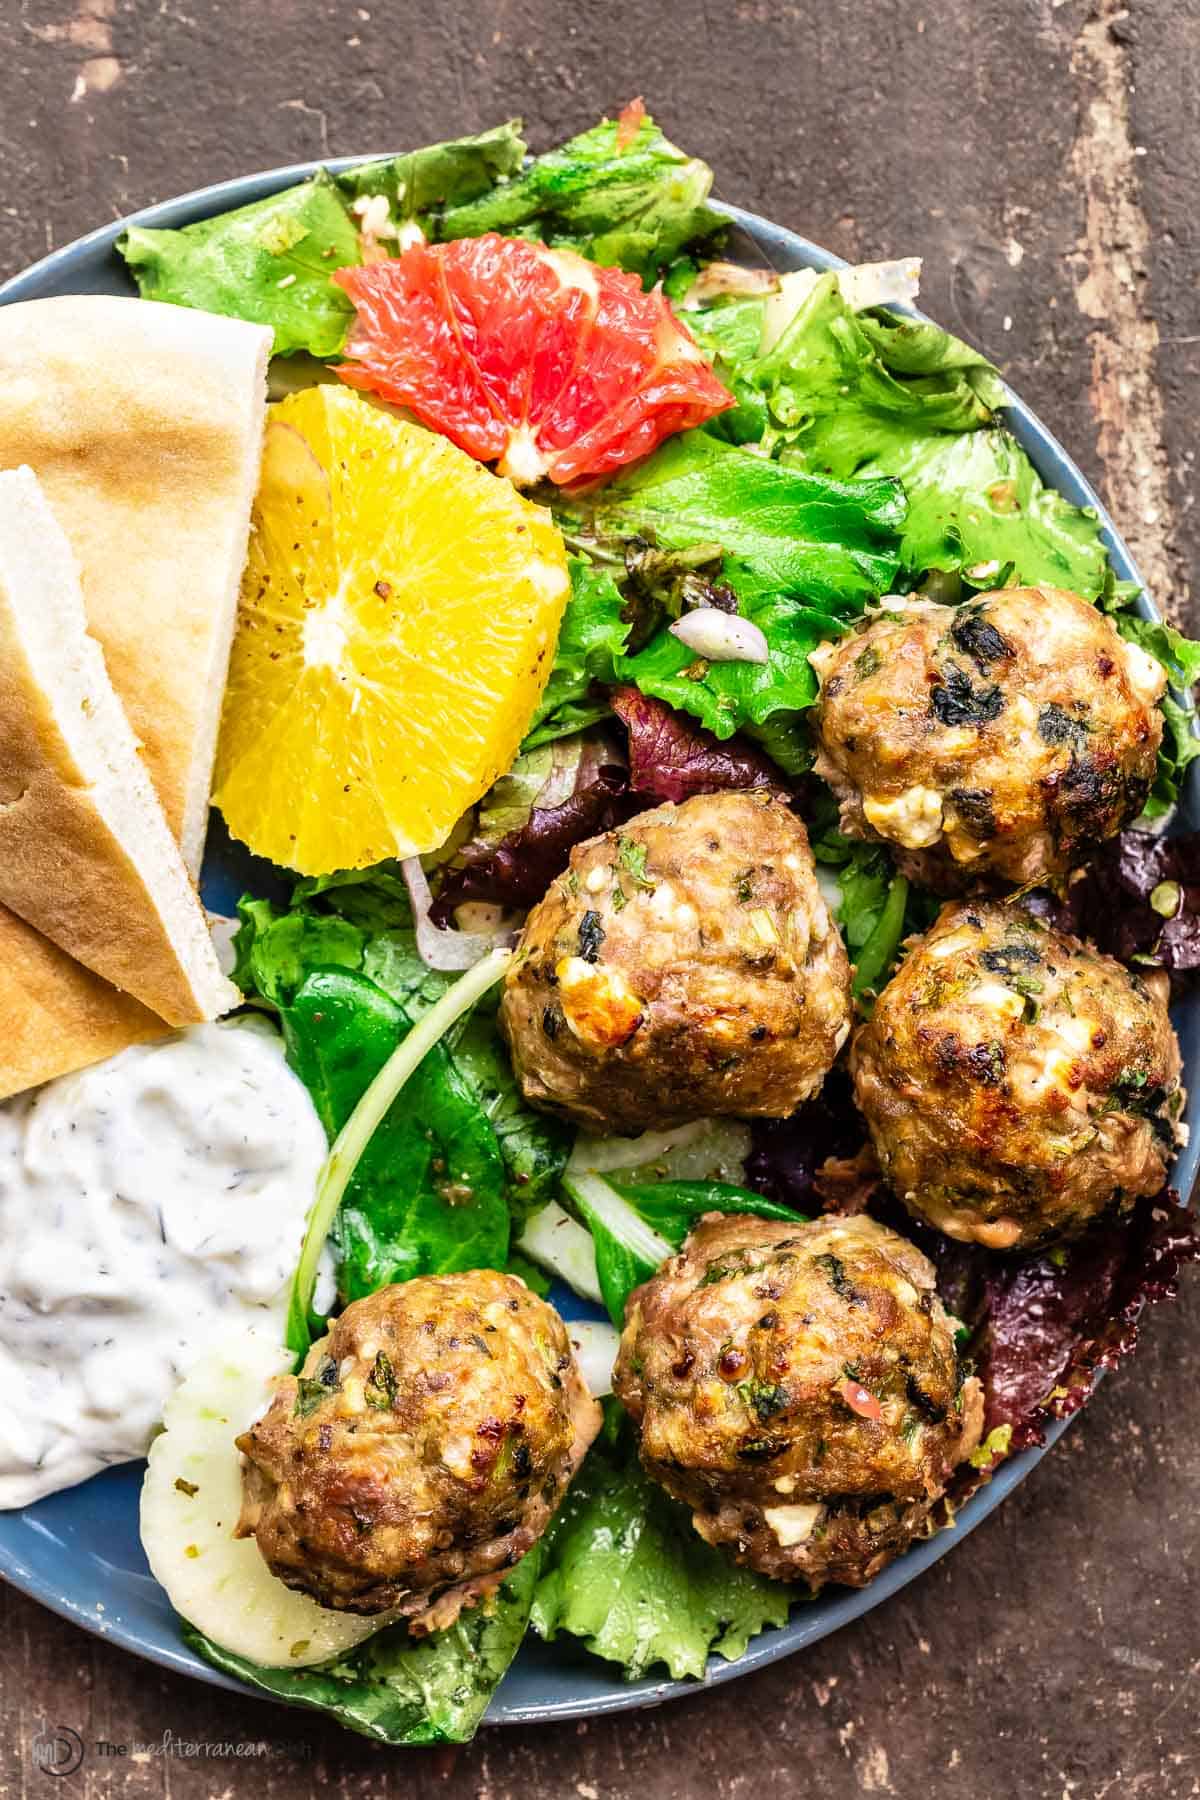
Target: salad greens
{"type": "Point", "coordinates": [635, 1226]}
{"type": "Point", "coordinates": [268, 262]}
{"type": "Point", "coordinates": [593, 635]}
{"type": "Point", "coordinates": [420, 184]}
{"type": "Point", "coordinates": [451, 1166]}
{"type": "Point", "coordinates": [633, 201]}
{"type": "Point", "coordinates": [401, 1690]}
{"type": "Point", "coordinates": [625, 1572]}
{"type": "Point", "coordinates": [413, 1189]}
{"type": "Point", "coordinates": [864, 454]}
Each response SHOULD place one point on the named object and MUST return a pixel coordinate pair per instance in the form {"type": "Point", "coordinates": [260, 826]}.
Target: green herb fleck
{"type": "Point", "coordinates": [380, 1390]}
{"type": "Point", "coordinates": [632, 857]}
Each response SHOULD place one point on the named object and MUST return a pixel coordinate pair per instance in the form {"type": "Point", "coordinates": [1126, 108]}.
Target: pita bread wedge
{"type": "Point", "coordinates": [86, 854]}
{"type": "Point", "coordinates": [144, 425]}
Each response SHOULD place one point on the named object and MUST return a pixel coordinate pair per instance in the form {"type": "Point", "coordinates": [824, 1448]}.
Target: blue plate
{"type": "Point", "coordinates": [79, 1553]}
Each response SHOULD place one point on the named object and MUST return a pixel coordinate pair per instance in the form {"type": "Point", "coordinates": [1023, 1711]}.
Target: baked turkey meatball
{"type": "Point", "coordinates": [423, 1449]}
{"type": "Point", "coordinates": [798, 1387]}
{"type": "Point", "coordinates": [684, 966]}
{"type": "Point", "coordinates": [1001, 738]}
{"type": "Point", "coordinates": [1016, 1083]}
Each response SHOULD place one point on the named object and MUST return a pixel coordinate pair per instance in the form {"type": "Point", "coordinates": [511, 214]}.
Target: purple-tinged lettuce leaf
{"type": "Point", "coordinates": [1139, 899]}
{"type": "Point", "coordinates": [672, 758]}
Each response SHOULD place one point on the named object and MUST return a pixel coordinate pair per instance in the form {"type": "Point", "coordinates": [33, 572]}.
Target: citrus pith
{"type": "Point", "coordinates": [398, 618]}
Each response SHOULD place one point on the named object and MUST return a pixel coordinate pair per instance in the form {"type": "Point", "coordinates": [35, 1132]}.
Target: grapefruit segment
{"type": "Point", "coordinates": [531, 358]}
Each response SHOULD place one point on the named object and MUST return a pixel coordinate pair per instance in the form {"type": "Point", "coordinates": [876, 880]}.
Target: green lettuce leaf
{"type": "Point", "coordinates": [761, 698]}
{"type": "Point", "coordinates": [370, 939]}
{"type": "Point", "coordinates": [783, 530]}
{"type": "Point", "coordinates": [977, 504]}
{"type": "Point", "coordinates": [801, 554]}
{"type": "Point", "coordinates": [876, 908]}
{"type": "Point", "coordinates": [420, 184]}
{"type": "Point", "coordinates": [626, 1574]}
{"type": "Point", "coordinates": [828, 386]}
{"type": "Point", "coordinates": [1180, 657]}
{"type": "Point", "coordinates": [269, 262]}
{"type": "Point", "coordinates": [400, 1690]}
{"type": "Point", "coordinates": [634, 208]}
{"type": "Point", "coordinates": [534, 1147]}
{"type": "Point", "coordinates": [591, 637]}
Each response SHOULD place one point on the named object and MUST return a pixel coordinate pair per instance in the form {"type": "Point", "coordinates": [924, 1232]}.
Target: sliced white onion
{"type": "Point", "coordinates": [864, 285]}
{"type": "Point", "coordinates": [595, 1343]}
{"type": "Point", "coordinates": [718, 280]}
{"type": "Point", "coordinates": [881, 283]}
{"type": "Point", "coordinates": [438, 949]}
{"type": "Point", "coordinates": [563, 1247]}
{"type": "Point", "coordinates": [223, 931]}
{"type": "Point", "coordinates": [721, 637]}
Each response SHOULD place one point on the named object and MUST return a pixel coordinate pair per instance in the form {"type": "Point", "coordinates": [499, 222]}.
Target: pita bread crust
{"type": "Point", "coordinates": [55, 1015]}
{"type": "Point", "coordinates": [86, 854]}
{"type": "Point", "coordinates": [144, 423]}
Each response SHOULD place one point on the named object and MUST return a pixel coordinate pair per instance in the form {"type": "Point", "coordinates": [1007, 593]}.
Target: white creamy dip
{"type": "Point", "coordinates": [149, 1207]}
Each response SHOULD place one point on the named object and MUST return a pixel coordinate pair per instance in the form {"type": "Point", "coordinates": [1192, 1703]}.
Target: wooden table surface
{"type": "Point", "coordinates": [1040, 155]}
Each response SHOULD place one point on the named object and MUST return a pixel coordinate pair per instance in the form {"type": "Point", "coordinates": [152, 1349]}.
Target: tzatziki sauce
{"type": "Point", "coordinates": [149, 1207]}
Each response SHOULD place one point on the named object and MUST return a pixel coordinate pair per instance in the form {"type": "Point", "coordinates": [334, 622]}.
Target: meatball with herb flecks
{"type": "Point", "coordinates": [423, 1449]}
{"type": "Point", "coordinates": [1017, 1084]}
{"type": "Point", "coordinates": [1003, 738]}
{"type": "Point", "coordinates": [799, 1388]}
{"type": "Point", "coordinates": [684, 967]}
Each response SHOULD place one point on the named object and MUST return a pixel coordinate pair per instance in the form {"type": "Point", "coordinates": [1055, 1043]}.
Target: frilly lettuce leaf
{"type": "Point", "coordinates": [592, 636]}
{"type": "Point", "coordinates": [976, 504]}
{"type": "Point", "coordinates": [625, 1572]}
{"type": "Point", "coordinates": [420, 184]}
{"type": "Point", "coordinates": [634, 206]}
{"type": "Point", "coordinates": [269, 262]}
{"type": "Point", "coordinates": [398, 1690]}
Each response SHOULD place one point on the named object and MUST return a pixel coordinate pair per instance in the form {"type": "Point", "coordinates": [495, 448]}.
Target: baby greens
{"type": "Point", "coordinates": [636, 1226]}
{"type": "Point", "coordinates": [401, 1690]}
{"type": "Point", "coordinates": [625, 1572]}
{"type": "Point", "coordinates": [630, 201]}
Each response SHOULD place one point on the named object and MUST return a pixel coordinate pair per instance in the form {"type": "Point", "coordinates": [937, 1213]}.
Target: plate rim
{"type": "Point", "coordinates": [52, 274]}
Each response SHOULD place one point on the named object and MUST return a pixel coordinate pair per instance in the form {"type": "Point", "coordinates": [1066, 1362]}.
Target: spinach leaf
{"type": "Point", "coordinates": [592, 636]}
{"type": "Point", "coordinates": [634, 205]}
{"type": "Point", "coordinates": [534, 1146]}
{"type": "Point", "coordinates": [626, 1573]}
{"type": "Point", "coordinates": [428, 1194]}
{"type": "Point", "coordinates": [269, 262]}
{"type": "Point", "coordinates": [635, 1227]}
{"type": "Point", "coordinates": [401, 1690]}
{"type": "Point", "coordinates": [420, 184]}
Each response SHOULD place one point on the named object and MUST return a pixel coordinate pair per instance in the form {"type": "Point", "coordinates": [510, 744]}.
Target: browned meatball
{"type": "Point", "coordinates": [685, 966]}
{"type": "Point", "coordinates": [1016, 1083]}
{"type": "Point", "coordinates": [1001, 738]}
{"type": "Point", "coordinates": [423, 1449]}
{"type": "Point", "coordinates": [798, 1387]}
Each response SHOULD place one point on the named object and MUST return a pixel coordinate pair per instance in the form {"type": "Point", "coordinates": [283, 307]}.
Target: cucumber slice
{"type": "Point", "coordinates": [191, 1499]}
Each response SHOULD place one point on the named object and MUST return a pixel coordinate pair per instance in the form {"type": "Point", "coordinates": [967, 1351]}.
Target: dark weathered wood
{"type": "Point", "coordinates": [1059, 1654]}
